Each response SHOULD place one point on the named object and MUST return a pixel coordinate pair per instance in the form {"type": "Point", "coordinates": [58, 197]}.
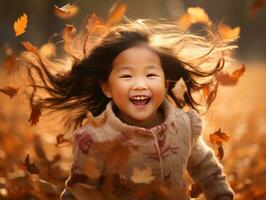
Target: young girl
{"type": "Point", "coordinates": [126, 80]}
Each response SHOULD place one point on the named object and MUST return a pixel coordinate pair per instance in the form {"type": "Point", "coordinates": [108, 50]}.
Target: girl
{"type": "Point", "coordinates": [126, 80]}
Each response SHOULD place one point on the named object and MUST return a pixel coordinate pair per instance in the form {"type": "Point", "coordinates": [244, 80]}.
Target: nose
{"type": "Point", "coordinates": [139, 84]}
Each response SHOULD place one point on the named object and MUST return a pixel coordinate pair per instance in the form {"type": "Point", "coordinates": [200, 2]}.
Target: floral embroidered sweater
{"type": "Point", "coordinates": [169, 149]}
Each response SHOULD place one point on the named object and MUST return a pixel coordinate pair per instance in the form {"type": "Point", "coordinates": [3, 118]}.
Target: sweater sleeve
{"type": "Point", "coordinates": [78, 182]}
{"type": "Point", "coordinates": [203, 166]}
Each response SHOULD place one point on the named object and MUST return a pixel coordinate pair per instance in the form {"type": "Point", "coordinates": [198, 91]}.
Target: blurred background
{"type": "Point", "coordinates": [239, 109]}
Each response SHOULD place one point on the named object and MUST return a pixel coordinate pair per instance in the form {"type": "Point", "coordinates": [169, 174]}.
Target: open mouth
{"type": "Point", "coordinates": [140, 100]}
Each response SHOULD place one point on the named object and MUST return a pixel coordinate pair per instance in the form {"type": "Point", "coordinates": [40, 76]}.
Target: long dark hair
{"type": "Point", "coordinates": [195, 59]}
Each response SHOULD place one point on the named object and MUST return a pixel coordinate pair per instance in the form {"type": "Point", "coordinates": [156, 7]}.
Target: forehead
{"type": "Point", "coordinates": [137, 56]}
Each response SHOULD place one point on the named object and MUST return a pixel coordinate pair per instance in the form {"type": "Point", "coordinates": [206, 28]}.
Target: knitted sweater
{"type": "Point", "coordinates": [169, 149]}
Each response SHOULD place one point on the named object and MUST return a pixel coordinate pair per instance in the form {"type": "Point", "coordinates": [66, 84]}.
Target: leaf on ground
{"type": "Point", "coordinates": [219, 137]}
{"type": "Point", "coordinates": [116, 13]}
{"type": "Point", "coordinates": [28, 46]}
{"type": "Point", "coordinates": [10, 60]}
{"type": "Point", "coordinates": [228, 33]}
{"type": "Point", "coordinates": [198, 15]}
{"type": "Point", "coordinates": [30, 167]}
{"type": "Point", "coordinates": [66, 11]}
{"type": "Point", "coordinates": [225, 78]}
{"type": "Point", "coordinates": [21, 24]}
{"type": "Point", "coordinates": [35, 114]}
{"type": "Point", "coordinates": [10, 91]}
{"type": "Point", "coordinates": [142, 175]}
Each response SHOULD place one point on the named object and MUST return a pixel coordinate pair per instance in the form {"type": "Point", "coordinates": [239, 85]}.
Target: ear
{"type": "Point", "coordinates": [106, 89]}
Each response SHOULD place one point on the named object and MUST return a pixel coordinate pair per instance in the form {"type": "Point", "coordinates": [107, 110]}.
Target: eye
{"type": "Point", "coordinates": [125, 76]}
{"type": "Point", "coordinates": [151, 75]}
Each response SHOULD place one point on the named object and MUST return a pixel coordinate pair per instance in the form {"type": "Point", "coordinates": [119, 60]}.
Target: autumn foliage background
{"type": "Point", "coordinates": [35, 159]}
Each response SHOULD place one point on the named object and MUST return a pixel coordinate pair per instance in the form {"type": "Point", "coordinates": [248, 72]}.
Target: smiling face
{"type": "Point", "coordinates": [136, 85]}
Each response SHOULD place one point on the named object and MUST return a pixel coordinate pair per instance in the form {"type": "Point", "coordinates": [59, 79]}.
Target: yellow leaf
{"type": "Point", "coordinates": [198, 15]}
{"type": "Point", "coordinates": [116, 13]}
{"type": "Point", "coordinates": [226, 32]}
{"type": "Point", "coordinates": [21, 24]}
{"type": "Point", "coordinates": [142, 176]}
{"type": "Point", "coordinates": [66, 11]}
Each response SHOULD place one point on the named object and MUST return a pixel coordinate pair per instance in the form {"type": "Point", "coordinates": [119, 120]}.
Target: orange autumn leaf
{"type": "Point", "coordinates": [257, 5]}
{"type": "Point", "coordinates": [198, 15]}
{"type": "Point", "coordinates": [21, 24]}
{"type": "Point", "coordinates": [35, 114]}
{"type": "Point", "coordinates": [142, 175]}
{"type": "Point", "coordinates": [66, 11]}
{"type": "Point", "coordinates": [10, 60]}
{"type": "Point", "coordinates": [116, 13]}
{"type": "Point", "coordinates": [225, 78]}
{"type": "Point", "coordinates": [28, 46]}
{"type": "Point", "coordinates": [10, 91]}
{"type": "Point", "coordinates": [228, 33]}
{"type": "Point", "coordinates": [218, 137]}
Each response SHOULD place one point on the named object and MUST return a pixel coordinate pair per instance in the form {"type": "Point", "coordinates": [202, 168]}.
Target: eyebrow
{"type": "Point", "coordinates": [127, 67]}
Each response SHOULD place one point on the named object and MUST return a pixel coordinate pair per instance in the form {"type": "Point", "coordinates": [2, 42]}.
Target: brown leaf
{"type": "Point", "coordinates": [66, 11]}
{"type": "Point", "coordinates": [218, 137]}
{"type": "Point", "coordinates": [30, 167]}
{"type": "Point", "coordinates": [257, 5]}
{"type": "Point", "coordinates": [212, 95]}
{"type": "Point", "coordinates": [10, 91]}
{"type": "Point", "coordinates": [142, 175]}
{"type": "Point", "coordinates": [10, 60]}
{"type": "Point", "coordinates": [225, 78]}
{"type": "Point", "coordinates": [220, 153]}
{"type": "Point", "coordinates": [226, 32]}
{"type": "Point", "coordinates": [28, 46]}
{"type": "Point", "coordinates": [21, 24]}
{"type": "Point", "coordinates": [35, 114]}
{"type": "Point", "coordinates": [195, 190]}
{"type": "Point", "coordinates": [116, 13]}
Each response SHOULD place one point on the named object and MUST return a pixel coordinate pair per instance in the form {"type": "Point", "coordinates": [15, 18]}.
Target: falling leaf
{"type": "Point", "coordinates": [228, 33]}
{"type": "Point", "coordinates": [28, 46]}
{"type": "Point", "coordinates": [220, 153]}
{"type": "Point", "coordinates": [30, 167]}
{"type": "Point", "coordinates": [212, 95]}
{"type": "Point", "coordinates": [179, 89]}
{"type": "Point", "coordinates": [67, 11]}
{"type": "Point", "coordinates": [35, 114]}
{"type": "Point", "coordinates": [142, 175]}
{"type": "Point", "coordinates": [257, 5]}
{"type": "Point", "coordinates": [21, 24]}
{"type": "Point", "coordinates": [195, 190]}
{"type": "Point", "coordinates": [48, 50]}
{"type": "Point", "coordinates": [116, 13]}
{"type": "Point", "coordinates": [198, 15]}
{"type": "Point", "coordinates": [218, 137]}
{"type": "Point", "coordinates": [184, 22]}
{"type": "Point", "coordinates": [10, 91]}
{"type": "Point", "coordinates": [225, 78]}
{"type": "Point", "coordinates": [10, 60]}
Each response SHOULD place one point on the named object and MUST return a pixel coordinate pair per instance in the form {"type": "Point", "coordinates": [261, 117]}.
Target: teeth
{"type": "Point", "coordinates": [140, 97]}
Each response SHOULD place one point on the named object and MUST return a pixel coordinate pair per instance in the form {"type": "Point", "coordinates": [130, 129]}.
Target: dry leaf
{"type": "Point", "coordinates": [179, 89]}
{"type": "Point", "coordinates": [212, 95]}
{"type": "Point", "coordinates": [10, 91]}
{"type": "Point", "coordinates": [35, 114]}
{"type": "Point", "coordinates": [48, 50]}
{"type": "Point", "coordinates": [21, 24]}
{"type": "Point", "coordinates": [30, 167]}
{"type": "Point", "coordinates": [218, 137]}
{"type": "Point", "coordinates": [198, 15]}
{"type": "Point", "coordinates": [257, 5]}
{"type": "Point", "coordinates": [10, 60]}
{"type": "Point", "coordinates": [28, 46]}
{"type": "Point", "coordinates": [225, 78]}
{"type": "Point", "coordinates": [184, 22]}
{"type": "Point", "coordinates": [116, 13]}
{"type": "Point", "coordinates": [228, 33]}
{"type": "Point", "coordinates": [142, 175]}
{"type": "Point", "coordinates": [66, 11]}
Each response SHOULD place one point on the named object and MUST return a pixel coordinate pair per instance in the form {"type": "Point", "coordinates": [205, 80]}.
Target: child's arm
{"type": "Point", "coordinates": [203, 166]}
{"type": "Point", "coordinates": [78, 185]}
